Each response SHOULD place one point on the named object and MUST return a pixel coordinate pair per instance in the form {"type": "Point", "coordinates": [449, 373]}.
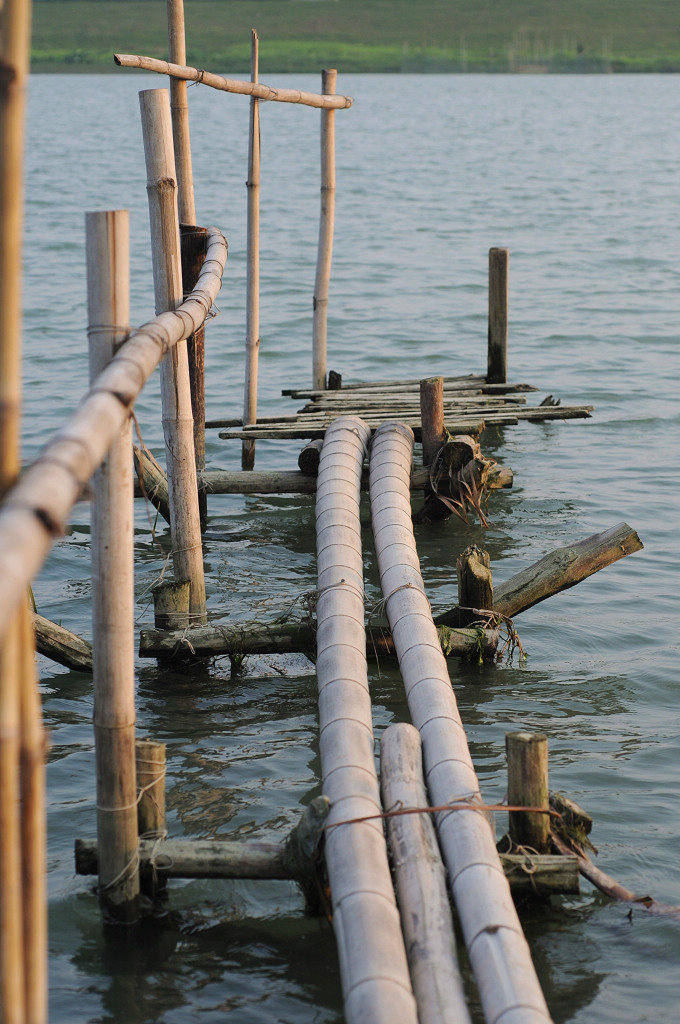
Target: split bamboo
{"type": "Point", "coordinates": [326, 227]}
{"type": "Point", "coordinates": [498, 952]}
{"type": "Point", "coordinates": [420, 881]}
{"type": "Point", "coordinates": [150, 762]}
{"type": "Point", "coordinates": [36, 510]}
{"type": "Point", "coordinates": [373, 967]}
{"type": "Point", "coordinates": [23, 943]}
{"type": "Point", "coordinates": [178, 426]}
{"type": "Point", "coordinates": [497, 372]}
{"type": "Point", "coordinates": [108, 256]}
{"type": "Point", "coordinates": [223, 84]}
{"type": "Point", "coordinates": [252, 266]}
{"type": "Point", "coordinates": [180, 114]}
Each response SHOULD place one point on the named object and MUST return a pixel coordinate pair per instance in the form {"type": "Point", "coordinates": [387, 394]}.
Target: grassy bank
{"type": "Point", "coordinates": [369, 35]}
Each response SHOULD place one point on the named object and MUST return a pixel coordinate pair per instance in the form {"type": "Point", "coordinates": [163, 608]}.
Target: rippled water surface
{"type": "Point", "coordinates": [577, 176]}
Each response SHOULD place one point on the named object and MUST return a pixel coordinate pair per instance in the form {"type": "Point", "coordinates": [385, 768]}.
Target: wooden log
{"type": "Point", "coordinates": [290, 638]}
{"type": "Point", "coordinates": [171, 604]}
{"type": "Point", "coordinates": [373, 966]}
{"type": "Point", "coordinates": [193, 240]}
{"type": "Point", "coordinates": [475, 583]}
{"type": "Point", "coordinates": [432, 417]}
{"type": "Point", "coordinates": [497, 372]}
{"type": "Point", "coordinates": [564, 568]}
{"type": "Point", "coordinates": [527, 755]}
{"type": "Point", "coordinates": [107, 244]}
{"type": "Point", "coordinates": [308, 459]}
{"type": "Point", "coordinates": [223, 84]}
{"type": "Point", "coordinates": [153, 483]}
{"type": "Point", "coordinates": [546, 875]}
{"type": "Point", "coordinates": [178, 428]}
{"type": "Point", "coordinates": [303, 430]}
{"type": "Point", "coordinates": [252, 266]}
{"type": "Point", "coordinates": [36, 511]}
{"type": "Point", "coordinates": [326, 227]}
{"type": "Point", "coordinates": [498, 952]}
{"type": "Point", "coordinates": [420, 882]}
{"type": "Point", "coordinates": [61, 645]}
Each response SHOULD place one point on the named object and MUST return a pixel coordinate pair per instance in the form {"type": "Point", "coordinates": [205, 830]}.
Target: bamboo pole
{"type": "Point", "coordinates": [223, 84]}
{"type": "Point", "coordinates": [179, 108]}
{"type": "Point", "coordinates": [178, 426]}
{"type": "Point", "coordinates": [373, 967]}
{"type": "Point", "coordinates": [497, 372]}
{"type": "Point", "coordinates": [22, 898]}
{"type": "Point", "coordinates": [252, 265]}
{"type": "Point", "coordinates": [498, 952]}
{"type": "Point", "coordinates": [527, 754]}
{"type": "Point", "coordinates": [152, 481]}
{"type": "Point", "coordinates": [420, 881]}
{"type": "Point", "coordinates": [193, 240]}
{"type": "Point", "coordinates": [107, 240]}
{"type": "Point", "coordinates": [326, 227]}
{"type": "Point", "coordinates": [36, 510]}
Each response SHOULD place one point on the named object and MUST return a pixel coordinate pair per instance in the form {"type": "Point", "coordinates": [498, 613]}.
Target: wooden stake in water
{"type": "Point", "coordinates": [178, 426]}
{"type": "Point", "coordinates": [527, 754]}
{"type": "Point", "coordinates": [432, 417]}
{"type": "Point", "coordinates": [180, 114]}
{"type": "Point", "coordinates": [107, 238]}
{"type": "Point", "coordinates": [497, 372]}
{"type": "Point", "coordinates": [326, 227]}
{"type": "Point", "coordinates": [253, 265]}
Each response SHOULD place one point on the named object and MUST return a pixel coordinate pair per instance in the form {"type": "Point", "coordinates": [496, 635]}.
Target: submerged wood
{"type": "Point", "coordinates": [36, 510]}
{"type": "Point", "coordinates": [373, 967]}
{"type": "Point", "coordinates": [178, 426]}
{"type": "Point", "coordinates": [61, 645]}
{"type": "Point", "coordinates": [108, 262]}
{"type": "Point", "coordinates": [223, 84]}
{"type": "Point", "coordinates": [498, 952]}
{"type": "Point", "coordinates": [420, 882]}
{"type": "Point", "coordinates": [326, 227]}
{"type": "Point", "coordinates": [252, 265]}
{"type": "Point", "coordinates": [152, 481]}
{"type": "Point", "coordinates": [291, 637]}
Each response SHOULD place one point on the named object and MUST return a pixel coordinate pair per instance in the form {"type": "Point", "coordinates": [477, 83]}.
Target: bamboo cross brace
{"type": "Point", "coordinates": [223, 84]}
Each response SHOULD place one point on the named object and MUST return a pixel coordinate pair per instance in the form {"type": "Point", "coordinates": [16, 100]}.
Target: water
{"type": "Point", "coordinates": [576, 176]}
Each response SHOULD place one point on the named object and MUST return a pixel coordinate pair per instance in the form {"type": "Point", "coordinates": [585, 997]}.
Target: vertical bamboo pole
{"type": "Point", "coordinates": [22, 903]}
{"type": "Point", "coordinates": [175, 390]}
{"type": "Point", "coordinates": [497, 371]}
{"type": "Point", "coordinates": [326, 226]}
{"type": "Point", "coordinates": [253, 265]}
{"type": "Point", "coordinates": [432, 417]}
{"type": "Point", "coordinates": [107, 242]}
{"type": "Point", "coordinates": [527, 754]}
{"type": "Point", "coordinates": [150, 757]}
{"type": "Point", "coordinates": [193, 240]}
{"type": "Point", "coordinates": [179, 107]}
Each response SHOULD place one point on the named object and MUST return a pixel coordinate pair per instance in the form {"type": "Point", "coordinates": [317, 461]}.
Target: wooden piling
{"type": "Point", "coordinates": [420, 881]}
{"type": "Point", "coordinates": [527, 755]}
{"type": "Point", "coordinates": [432, 417]}
{"type": "Point", "coordinates": [171, 600]}
{"type": "Point", "coordinates": [175, 390]}
{"type": "Point", "coordinates": [193, 240]}
{"type": "Point", "coordinates": [497, 372]}
{"type": "Point", "coordinates": [107, 239]}
{"type": "Point", "coordinates": [252, 265]}
{"type": "Point", "coordinates": [475, 583]}
{"type": "Point", "coordinates": [326, 228]}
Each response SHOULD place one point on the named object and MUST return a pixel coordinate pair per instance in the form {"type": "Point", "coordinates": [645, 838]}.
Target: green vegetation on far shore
{"type": "Point", "coordinates": [368, 35]}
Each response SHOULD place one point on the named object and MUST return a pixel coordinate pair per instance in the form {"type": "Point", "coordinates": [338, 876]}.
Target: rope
{"type": "Point", "coordinates": [457, 806]}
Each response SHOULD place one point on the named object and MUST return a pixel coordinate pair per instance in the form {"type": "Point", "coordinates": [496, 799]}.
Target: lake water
{"type": "Point", "coordinates": [577, 176]}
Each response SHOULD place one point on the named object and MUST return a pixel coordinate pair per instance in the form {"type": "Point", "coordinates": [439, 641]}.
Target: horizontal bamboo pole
{"type": "Point", "coordinates": [261, 858]}
{"type": "Point", "coordinates": [36, 511]}
{"type": "Point", "coordinates": [223, 84]}
{"type": "Point", "coordinates": [304, 430]}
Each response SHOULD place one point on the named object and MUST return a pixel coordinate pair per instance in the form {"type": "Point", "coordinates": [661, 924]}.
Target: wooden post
{"type": "Point", "coordinates": [527, 755]}
{"type": "Point", "coordinates": [180, 114]}
{"type": "Point", "coordinates": [432, 417]}
{"type": "Point", "coordinates": [193, 256]}
{"type": "Point", "coordinates": [253, 265]}
{"type": "Point", "coordinates": [497, 372]}
{"type": "Point", "coordinates": [152, 480]}
{"type": "Point", "coordinates": [150, 760]}
{"type": "Point", "coordinates": [475, 584]}
{"type": "Point", "coordinates": [326, 227]}
{"type": "Point", "coordinates": [175, 391]}
{"type": "Point", "coordinates": [420, 882]}
{"type": "Point", "coordinates": [171, 604]}
{"type": "Point", "coordinates": [112, 585]}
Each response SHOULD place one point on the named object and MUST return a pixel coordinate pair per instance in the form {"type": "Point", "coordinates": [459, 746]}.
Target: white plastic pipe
{"type": "Point", "coordinates": [374, 972]}
{"type": "Point", "coordinates": [498, 952]}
